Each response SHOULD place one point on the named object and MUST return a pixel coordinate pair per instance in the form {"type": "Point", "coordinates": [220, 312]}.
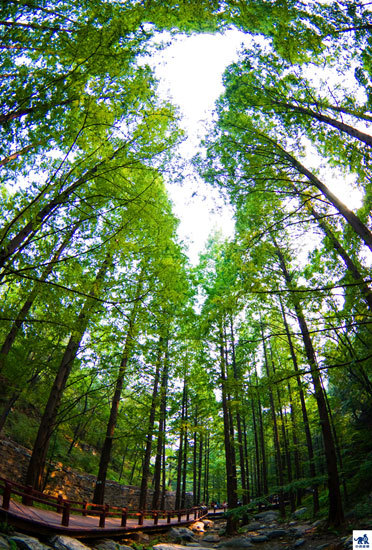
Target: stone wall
{"type": "Point", "coordinates": [71, 484]}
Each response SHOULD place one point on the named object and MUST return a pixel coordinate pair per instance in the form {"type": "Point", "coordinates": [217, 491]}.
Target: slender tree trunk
{"type": "Point", "coordinates": [99, 489]}
{"type": "Point", "coordinates": [348, 261]}
{"type": "Point", "coordinates": [278, 456]}
{"type": "Point", "coordinates": [180, 448]}
{"type": "Point", "coordinates": [238, 419]}
{"type": "Point", "coordinates": [345, 128]}
{"type": "Point", "coordinates": [200, 466]}
{"type": "Point", "coordinates": [305, 418]}
{"type": "Point", "coordinates": [34, 475]}
{"type": "Point", "coordinates": [336, 515]}
{"type": "Point", "coordinates": [161, 431]}
{"type": "Point", "coordinates": [15, 155]}
{"type": "Point", "coordinates": [259, 491]}
{"type": "Point", "coordinates": [195, 459]}
{"type": "Point", "coordinates": [247, 469]}
{"type": "Point", "coordinates": [357, 225]}
{"type": "Point", "coordinates": [184, 461]}
{"type": "Point", "coordinates": [295, 444]}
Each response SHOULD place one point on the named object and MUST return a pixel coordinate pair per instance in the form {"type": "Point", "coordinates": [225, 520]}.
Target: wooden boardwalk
{"type": "Point", "coordinates": [86, 523]}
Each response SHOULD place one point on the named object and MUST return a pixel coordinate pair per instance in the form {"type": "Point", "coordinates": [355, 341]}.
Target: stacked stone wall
{"type": "Point", "coordinates": [72, 484]}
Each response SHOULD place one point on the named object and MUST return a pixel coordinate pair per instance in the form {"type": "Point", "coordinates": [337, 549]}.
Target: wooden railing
{"type": "Point", "coordinates": [65, 507]}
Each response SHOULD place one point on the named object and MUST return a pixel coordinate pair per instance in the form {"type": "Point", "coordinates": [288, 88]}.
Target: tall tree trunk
{"type": "Point", "coordinates": [278, 455]}
{"type": "Point", "coordinates": [34, 475]}
{"type": "Point", "coordinates": [99, 489]}
{"type": "Point", "coordinates": [305, 418]}
{"type": "Point", "coordinates": [180, 449]}
{"type": "Point", "coordinates": [247, 469]}
{"type": "Point", "coordinates": [348, 261]}
{"type": "Point", "coordinates": [200, 467]}
{"type": "Point", "coordinates": [150, 429]}
{"type": "Point", "coordinates": [184, 460]}
{"type": "Point", "coordinates": [259, 491]}
{"type": "Point", "coordinates": [336, 515]}
{"type": "Point", "coordinates": [195, 459]}
{"type": "Point", "coordinates": [238, 419]}
{"type": "Point", "coordinates": [161, 431]}
{"type": "Point", "coordinates": [357, 225]}
{"type": "Point", "coordinates": [295, 444]}
{"type": "Point", "coordinates": [341, 126]}
{"type": "Point", "coordinates": [231, 487]}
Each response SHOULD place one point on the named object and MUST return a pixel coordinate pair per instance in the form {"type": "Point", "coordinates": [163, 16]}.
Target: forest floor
{"type": "Point", "coordinates": [265, 531]}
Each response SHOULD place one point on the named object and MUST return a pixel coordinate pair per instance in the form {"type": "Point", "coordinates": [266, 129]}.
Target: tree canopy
{"type": "Point", "coordinates": [248, 376]}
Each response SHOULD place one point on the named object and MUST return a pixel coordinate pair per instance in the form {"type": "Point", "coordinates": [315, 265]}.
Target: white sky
{"type": "Point", "coordinates": [190, 73]}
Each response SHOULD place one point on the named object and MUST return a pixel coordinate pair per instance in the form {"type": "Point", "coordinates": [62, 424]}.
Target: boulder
{"type": "Point", "coordinates": [197, 527]}
{"type": "Point", "coordinates": [299, 542]}
{"type": "Point", "coordinates": [252, 526]}
{"type": "Point", "coordinates": [299, 512]}
{"type": "Point", "coordinates": [211, 538]}
{"type": "Point", "coordinates": [236, 542]}
{"type": "Point", "coordinates": [24, 542]}
{"type": "Point", "coordinates": [181, 534]}
{"type": "Point", "coordinates": [108, 544]}
{"type": "Point", "coordinates": [276, 533]}
{"type": "Point", "coordinates": [259, 538]}
{"type": "Point", "coordinates": [61, 542]}
{"type": "Point", "coordinates": [208, 524]}
{"type": "Point", "coordinates": [269, 515]}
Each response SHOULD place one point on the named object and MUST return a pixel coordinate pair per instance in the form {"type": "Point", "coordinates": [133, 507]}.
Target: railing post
{"type": "Point", "coordinates": [195, 513]}
{"type": "Point", "coordinates": [85, 508]}
{"type": "Point", "coordinates": [156, 518]}
{"type": "Point", "coordinates": [59, 504]}
{"type": "Point", "coordinates": [66, 513]}
{"type": "Point", "coordinates": [124, 513]}
{"type": "Point", "coordinates": [102, 517]}
{"type": "Point", "coordinates": [169, 517]}
{"type": "Point", "coordinates": [140, 518]}
{"type": "Point", "coordinates": [6, 495]}
{"type": "Point", "coordinates": [187, 515]}
{"type": "Point", "coordinates": [179, 514]}
{"type": "Point", "coordinates": [27, 498]}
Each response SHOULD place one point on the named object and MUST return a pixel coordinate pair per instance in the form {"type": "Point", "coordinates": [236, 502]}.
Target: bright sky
{"type": "Point", "coordinates": [190, 73]}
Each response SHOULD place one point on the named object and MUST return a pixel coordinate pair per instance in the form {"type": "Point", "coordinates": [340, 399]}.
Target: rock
{"type": "Point", "coordinates": [211, 538]}
{"type": "Point", "coordinates": [299, 513]}
{"type": "Point", "coordinates": [181, 534]}
{"type": "Point", "coordinates": [299, 543]}
{"type": "Point", "coordinates": [143, 537]}
{"type": "Point", "coordinates": [169, 546]}
{"type": "Point", "coordinates": [318, 523]}
{"type": "Point", "coordinates": [269, 515]}
{"type": "Point", "coordinates": [208, 524]}
{"type": "Point", "coordinates": [25, 542]}
{"type": "Point", "coordinates": [60, 542]}
{"type": "Point", "coordinates": [252, 526]}
{"type": "Point", "coordinates": [240, 542]}
{"type": "Point", "coordinates": [259, 538]}
{"type": "Point", "coordinates": [322, 547]}
{"type": "Point", "coordinates": [197, 527]}
{"type": "Point", "coordinates": [276, 533]}
{"type": "Point", "coordinates": [108, 544]}
{"type": "Point", "coordinates": [4, 544]}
